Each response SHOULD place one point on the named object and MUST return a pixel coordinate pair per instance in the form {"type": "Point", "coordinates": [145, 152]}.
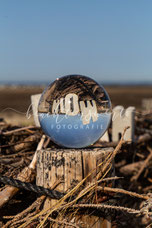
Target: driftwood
{"type": "Point", "coordinates": [141, 139]}
{"type": "Point", "coordinates": [27, 143]}
{"type": "Point", "coordinates": [132, 168]}
{"type": "Point", "coordinates": [26, 175]}
{"type": "Point", "coordinates": [144, 138]}
{"type": "Point", "coordinates": [6, 194]}
{"type": "Point", "coordinates": [130, 162]}
{"type": "Point", "coordinates": [145, 163]}
{"type": "Point", "coordinates": [18, 130]}
{"type": "Point", "coordinates": [24, 214]}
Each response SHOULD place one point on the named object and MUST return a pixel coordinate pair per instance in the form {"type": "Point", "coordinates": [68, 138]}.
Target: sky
{"type": "Point", "coordinates": [108, 40]}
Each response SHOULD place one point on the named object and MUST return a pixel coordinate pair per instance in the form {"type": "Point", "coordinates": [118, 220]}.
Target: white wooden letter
{"type": "Point", "coordinates": [71, 104]}
{"type": "Point", "coordinates": [55, 106]}
{"type": "Point", "coordinates": [88, 112]}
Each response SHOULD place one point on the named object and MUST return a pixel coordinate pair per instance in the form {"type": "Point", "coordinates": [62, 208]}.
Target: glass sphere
{"type": "Point", "coordinates": [74, 111]}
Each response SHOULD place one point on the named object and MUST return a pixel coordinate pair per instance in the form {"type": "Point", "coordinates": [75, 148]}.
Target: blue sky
{"type": "Point", "coordinates": [107, 40]}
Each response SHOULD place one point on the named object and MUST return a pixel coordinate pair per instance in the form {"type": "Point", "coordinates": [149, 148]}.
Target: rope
{"type": "Point", "coordinates": [31, 187]}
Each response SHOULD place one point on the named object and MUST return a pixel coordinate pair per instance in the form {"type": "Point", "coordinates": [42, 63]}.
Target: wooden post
{"type": "Point", "coordinates": [71, 165]}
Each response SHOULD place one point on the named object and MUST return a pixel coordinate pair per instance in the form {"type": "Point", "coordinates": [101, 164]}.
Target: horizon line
{"type": "Point", "coordinates": [47, 82]}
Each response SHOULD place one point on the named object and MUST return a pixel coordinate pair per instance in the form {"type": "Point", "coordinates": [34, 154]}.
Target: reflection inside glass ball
{"type": "Point", "coordinates": [74, 111]}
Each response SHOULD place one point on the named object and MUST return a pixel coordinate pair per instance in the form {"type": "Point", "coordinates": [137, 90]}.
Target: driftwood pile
{"type": "Point", "coordinates": [129, 203]}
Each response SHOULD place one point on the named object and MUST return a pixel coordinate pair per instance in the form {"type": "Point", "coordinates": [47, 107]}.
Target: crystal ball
{"type": "Point", "coordinates": [74, 111]}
